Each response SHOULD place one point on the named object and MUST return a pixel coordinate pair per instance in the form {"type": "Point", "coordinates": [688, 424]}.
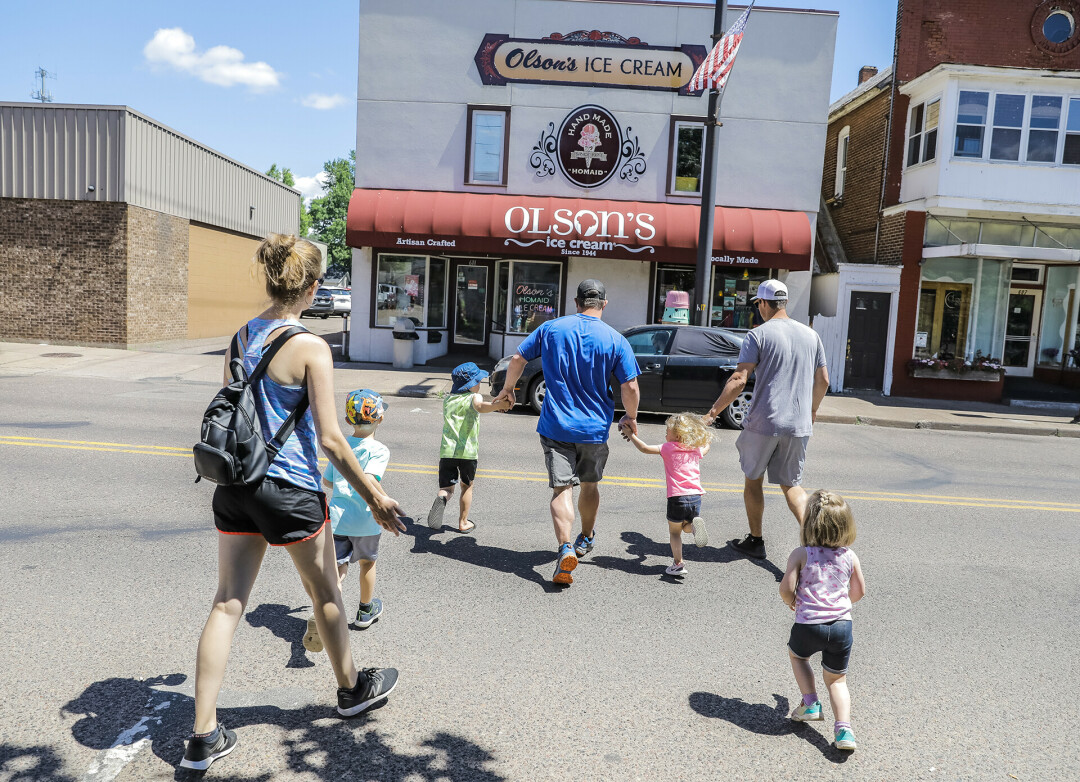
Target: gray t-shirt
{"type": "Point", "coordinates": [787, 355]}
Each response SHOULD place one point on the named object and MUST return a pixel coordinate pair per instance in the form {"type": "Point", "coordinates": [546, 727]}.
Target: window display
{"type": "Point", "coordinates": [670, 278]}
{"type": "Point", "coordinates": [731, 294]}
{"type": "Point", "coordinates": [527, 294]}
{"type": "Point", "coordinates": [410, 286]}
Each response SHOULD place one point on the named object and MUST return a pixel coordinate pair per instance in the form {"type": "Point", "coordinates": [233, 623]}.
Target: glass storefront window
{"type": "Point", "coordinates": [731, 293]}
{"type": "Point", "coordinates": [670, 278]}
{"type": "Point", "coordinates": [410, 286]}
{"type": "Point", "coordinates": [1059, 302]}
{"type": "Point", "coordinates": [945, 303]}
{"type": "Point", "coordinates": [527, 293]}
{"type": "Point", "coordinates": [502, 291]}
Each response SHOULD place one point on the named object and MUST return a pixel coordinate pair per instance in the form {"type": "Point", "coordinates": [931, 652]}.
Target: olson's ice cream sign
{"type": "Point", "coordinates": [582, 232]}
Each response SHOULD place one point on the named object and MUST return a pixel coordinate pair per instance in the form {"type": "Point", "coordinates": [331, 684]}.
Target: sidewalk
{"type": "Point", "coordinates": [188, 365]}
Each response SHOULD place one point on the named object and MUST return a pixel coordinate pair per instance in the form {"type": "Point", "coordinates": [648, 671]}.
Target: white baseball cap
{"type": "Point", "coordinates": [771, 290]}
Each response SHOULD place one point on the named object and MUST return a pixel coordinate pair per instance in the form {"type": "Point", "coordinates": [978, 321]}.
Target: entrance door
{"type": "Point", "coordinates": [1021, 330]}
{"type": "Point", "coordinates": [470, 323]}
{"type": "Point", "coordinates": [868, 335]}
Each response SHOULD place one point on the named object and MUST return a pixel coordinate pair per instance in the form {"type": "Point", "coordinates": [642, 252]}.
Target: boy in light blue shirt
{"type": "Point", "coordinates": [356, 535]}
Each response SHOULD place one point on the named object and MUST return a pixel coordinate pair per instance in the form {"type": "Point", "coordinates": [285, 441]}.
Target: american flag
{"type": "Point", "coordinates": [714, 71]}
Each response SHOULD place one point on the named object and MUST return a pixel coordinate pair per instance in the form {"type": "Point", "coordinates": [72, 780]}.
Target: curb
{"type": "Point", "coordinates": [948, 426]}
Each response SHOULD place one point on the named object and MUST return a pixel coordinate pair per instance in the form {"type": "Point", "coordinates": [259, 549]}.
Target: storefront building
{"type": "Point", "coordinates": [507, 149]}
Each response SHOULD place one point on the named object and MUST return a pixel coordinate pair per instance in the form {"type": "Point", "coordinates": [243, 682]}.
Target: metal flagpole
{"type": "Point", "coordinates": [708, 189]}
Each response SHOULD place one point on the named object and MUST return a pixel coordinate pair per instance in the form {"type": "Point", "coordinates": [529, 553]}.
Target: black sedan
{"type": "Point", "coordinates": [683, 368]}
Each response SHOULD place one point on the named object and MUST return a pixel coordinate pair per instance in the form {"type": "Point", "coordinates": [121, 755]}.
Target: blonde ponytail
{"type": "Point", "coordinates": [290, 266]}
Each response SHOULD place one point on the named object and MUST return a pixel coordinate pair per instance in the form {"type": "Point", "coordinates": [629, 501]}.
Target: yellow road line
{"type": "Point", "coordinates": [537, 477]}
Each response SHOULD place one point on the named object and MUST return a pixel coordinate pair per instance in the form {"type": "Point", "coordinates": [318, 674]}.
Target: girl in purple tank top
{"type": "Point", "coordinates": [823, 579]}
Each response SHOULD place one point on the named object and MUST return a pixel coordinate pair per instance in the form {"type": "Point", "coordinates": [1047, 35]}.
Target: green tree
{"type": "Point", "coordinates": [285, 176]}
{"type": "Point", "coordinates": [328, 212]}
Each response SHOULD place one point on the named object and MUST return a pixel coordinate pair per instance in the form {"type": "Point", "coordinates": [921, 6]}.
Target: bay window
{"type": "Point", "coordinates": [922, 132]}
{"type": "Point", "coordinates": [1045, 124]}
{"type": "Point", "coordinates": [971, 123]}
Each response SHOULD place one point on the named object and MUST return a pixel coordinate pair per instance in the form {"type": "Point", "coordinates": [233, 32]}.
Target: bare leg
{"type": "Point", "coordinates": [796, 501]}
{"type": "Point", "coordinates": [239, 558]}
{"type": "Point", "coordinates": [317, 565]}
{"type": "Point", "coordinates": [446, 492]}
{"type": "Point", "coordinates": [464, 504]}
{"type": "Point", "coordinates": [342, 571]}
{"type": "Point", "coordinates": [804, 675]}
{"type": "Point", "coordinates": [562, 512]}
{"type": "Point", "coordinates": [675, 530]}
{"type": "Point", "coordinates": [754, 500]}
{"type": "Point", "coordinates": [589, 505]}
{"type": "Point", "coordinates": [838, 696]}
{"type": "Point", "coordinates": [367, 580]}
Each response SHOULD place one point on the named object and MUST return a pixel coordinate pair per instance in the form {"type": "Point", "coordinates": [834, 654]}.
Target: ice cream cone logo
{"type": "Point", "coordinates": [589, 141]}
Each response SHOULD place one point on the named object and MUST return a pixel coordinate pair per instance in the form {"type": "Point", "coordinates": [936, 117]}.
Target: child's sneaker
{"type": "Point", "coordinates": [566, 563]}
{"type": "Point", "coordinates": [845, 739]}
{"type": "Point", "coordinates": [676, 570]}
{"type": "Point", "coordinates": [201, 752]}
{"type": "Point", "coordinates": [435, 515]}
{"type": "Point", "coordinates": [811, 713]}
{"type": "Point", "coordinates": [365, 619]}
{"type": "Point", "coordinates": [312, 641]}
{"type": "Point", "coordinates": [584, 545]}
{"type": "Point", "coordinates": [701, 535]}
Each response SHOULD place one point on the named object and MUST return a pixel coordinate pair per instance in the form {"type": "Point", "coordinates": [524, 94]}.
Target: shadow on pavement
{"type": "Point", "coordinates": [23, 764]}
{"type": "Point", "coordinates": [640, 547]}
{"type": "Point", "coordinates": [279, 620]}
{"type": "Point", "coordinates": [763, 719]}
{"type": "Point", "coordinates": [315, 740]}
{"type": "Point", "coordinates": [465, 548]}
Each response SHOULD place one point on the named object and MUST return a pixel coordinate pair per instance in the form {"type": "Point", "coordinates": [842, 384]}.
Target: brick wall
{"type": "Point", "coordinates": [63, 267]}
{"type": "Point", "coordinates": [856, 215]}
{"type": "Point", "coordinates": [891, 241]}
{"type": "Point", "coordinates": [157, 276]}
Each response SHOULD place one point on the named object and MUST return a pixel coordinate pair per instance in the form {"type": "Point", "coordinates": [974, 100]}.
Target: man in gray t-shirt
{"type": "Point", "coordinates": [790, 381]}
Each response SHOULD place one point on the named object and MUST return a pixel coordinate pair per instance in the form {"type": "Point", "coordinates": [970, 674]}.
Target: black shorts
{"type": "Point", "coordinates": [832, 639]}
{"type": "Point", "coordinates": [280, 511]}
{"type": "Point", "coordinates": [451, 469]}
{"type": "Point", "coordinates": [683, 507]}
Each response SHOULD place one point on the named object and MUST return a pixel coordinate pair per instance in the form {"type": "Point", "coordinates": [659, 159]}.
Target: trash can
{"type": "Point", "coordinates": [404, 337]}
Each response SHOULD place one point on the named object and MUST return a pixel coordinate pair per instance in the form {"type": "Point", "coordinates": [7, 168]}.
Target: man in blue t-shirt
{"type": "Point", "coordinates": [579, 353]}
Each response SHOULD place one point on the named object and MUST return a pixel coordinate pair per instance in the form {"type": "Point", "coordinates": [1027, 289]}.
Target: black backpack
{"type": "Point", "coordinates": [233, 451]}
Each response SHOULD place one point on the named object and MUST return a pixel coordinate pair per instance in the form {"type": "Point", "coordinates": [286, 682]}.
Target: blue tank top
{"type": "Point", "coordinates": [298, 461]}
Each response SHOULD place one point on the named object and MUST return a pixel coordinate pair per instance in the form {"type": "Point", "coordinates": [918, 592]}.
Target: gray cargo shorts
{"type": "Point", "coordinates": [781, 455]}
{"type": "Point", "coordinates": [570, 464]}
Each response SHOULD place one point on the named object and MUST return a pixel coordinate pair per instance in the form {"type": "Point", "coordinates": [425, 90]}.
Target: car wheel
{"type": "Point", "coordinates": [537, 392]}
{"type": "Point", "coordinates": [734, 414]}
{"type": "Point", "coordinates": [324, 317]}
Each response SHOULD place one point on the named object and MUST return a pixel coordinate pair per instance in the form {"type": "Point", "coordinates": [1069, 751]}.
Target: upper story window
{"type": "Point", "coordinates": [1008, 125]}
{"type": "Point", "coordinates": [1024, 128]}
{"type": "Point", "coordinates": [922, 132]}
{"type": "Point", "coordinates": [487, 139]}
{"type": "Point", "coordinates": [842, 142]}
{"type": "Point", "coordinates": [1071, 153]}
{"type": "Point", "coordinates": [687, 154]}
{"type": "Point", "coordinates": [971, 123]}
{"type": "Point", "coordinates": [1045, 126]}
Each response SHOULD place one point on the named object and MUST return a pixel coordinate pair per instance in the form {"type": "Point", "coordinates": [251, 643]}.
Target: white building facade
{"type": "Point", "coordinates": [508, 149]}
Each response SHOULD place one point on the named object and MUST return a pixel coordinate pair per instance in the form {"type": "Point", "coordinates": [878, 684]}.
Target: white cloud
{"type": "Point", "coordinates": [311, 186]}
{"type": "Point", "coordinates": [322, 102]}
{"type": "Point", "coordinates": [221, 65]}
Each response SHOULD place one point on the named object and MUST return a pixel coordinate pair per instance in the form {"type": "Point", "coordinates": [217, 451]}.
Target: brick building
{"type": "Point", "coordinates": [952, 181]}
{"type": "Point", "coordinates": [116, 230]}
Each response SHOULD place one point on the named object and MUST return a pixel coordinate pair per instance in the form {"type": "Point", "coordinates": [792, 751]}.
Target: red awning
{"type": "Point", "coordinates": [441, 222]}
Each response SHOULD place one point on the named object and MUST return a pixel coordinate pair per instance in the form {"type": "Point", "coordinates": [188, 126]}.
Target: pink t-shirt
{"type": "Point", "coordinates": [822, 593]}
{"type": "Point", "coordinates": [682, 466]}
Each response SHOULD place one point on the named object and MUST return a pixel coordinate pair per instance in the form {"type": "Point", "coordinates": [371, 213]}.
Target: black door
{"type": "Point", "coordinates": [868, 334]}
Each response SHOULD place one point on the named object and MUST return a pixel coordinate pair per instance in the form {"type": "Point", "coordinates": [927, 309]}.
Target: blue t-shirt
{"type": "Point", "coordinates": [579, 353]}
{"type": "Point", "coordinates": [349, 514]}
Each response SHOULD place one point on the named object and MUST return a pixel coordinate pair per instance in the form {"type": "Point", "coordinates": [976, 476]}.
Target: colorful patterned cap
{"type": "Point", "coordinates": [364, 407]}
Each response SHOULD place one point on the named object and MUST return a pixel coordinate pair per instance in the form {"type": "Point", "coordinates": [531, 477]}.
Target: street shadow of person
{"type": "Point", "coordinates": [640, 547]}
{"type": "Point", "coordinates": [30, 764]}
{"type": "Point", "coordinates": [763, 719]}
{"type": "Point", "coordinates": [465, 548]}
{"type": "Point", "coordinates": [314, 740]}
{"type": "Point", "coordinates": [279, 620]}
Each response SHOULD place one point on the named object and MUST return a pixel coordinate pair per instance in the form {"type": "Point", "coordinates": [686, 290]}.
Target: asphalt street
{"type": "Point", "coordinates": [964, 664]}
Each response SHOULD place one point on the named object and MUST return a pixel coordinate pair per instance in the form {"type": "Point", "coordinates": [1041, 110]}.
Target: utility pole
{"type": "Point", "coordinates": [708, 190]}
{"type": "Point", "coordinates": [43, 94]}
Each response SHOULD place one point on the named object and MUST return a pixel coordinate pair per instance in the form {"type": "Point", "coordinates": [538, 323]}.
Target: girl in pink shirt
{"type": "Point", "coordinates": [688, 440]}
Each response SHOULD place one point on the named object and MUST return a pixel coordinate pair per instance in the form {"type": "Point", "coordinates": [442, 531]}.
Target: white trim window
{"type": "Point", "coordinates": [687, 158]}
{"type": "Point", "coordinates": [1008, 126]}
{"type": "Point", "coordinates": [971, 123]}
{"type": "Point", "coordinates": [1024, 128]}
{"type": "Point", "coordinates": [488, 143]}
{"type": "Point", "coordinates": [410, 286]}
{"type": "Point", "coordinates": [1044, 128]}
{"type": "Point", "coordinates": [1070, 154]}
{"type": "Point", "coordinates": [843, 142]}
{"type": "Point", "coordinates": [923, 132]}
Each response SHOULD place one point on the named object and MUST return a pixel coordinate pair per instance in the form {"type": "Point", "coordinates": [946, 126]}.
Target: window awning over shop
{"type": "Point", "coordinates": [434, 223]}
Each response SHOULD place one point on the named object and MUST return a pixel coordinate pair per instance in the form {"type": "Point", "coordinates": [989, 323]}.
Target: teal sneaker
{"type": "Point", "coordinates": [845, 739]}
{"type": "Point", "coordinates": [567, 562]}
{"type": "Point", "coordinates": [811, 713]}
{"type": "Point", "coordinates": [584, 545]}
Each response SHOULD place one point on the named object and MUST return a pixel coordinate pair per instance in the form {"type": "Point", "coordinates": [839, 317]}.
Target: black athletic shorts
{"type": "Point", "coordinates": [280, 511]}
{"type": "Point", "coordinates": [451, 469]}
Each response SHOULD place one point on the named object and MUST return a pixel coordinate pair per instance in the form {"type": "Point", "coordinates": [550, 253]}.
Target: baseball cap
{"type": "Point", "coordinates": [771, 290]}
{"type": "Point", "coordinates": [364, 407]}
{"type": "Point", "coordinates": [591, 289]}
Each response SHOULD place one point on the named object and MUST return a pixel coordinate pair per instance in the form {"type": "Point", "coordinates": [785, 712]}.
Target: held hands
{"type": "Point", "coordinates": [387, 513]}
{"type": "Point", "coordinates": [506, 396]}
{"type": "Point", "coordinates": [627, 426]}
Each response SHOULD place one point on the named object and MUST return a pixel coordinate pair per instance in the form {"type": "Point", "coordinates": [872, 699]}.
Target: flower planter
{"type": "Point", "coordinates": [977, 375]}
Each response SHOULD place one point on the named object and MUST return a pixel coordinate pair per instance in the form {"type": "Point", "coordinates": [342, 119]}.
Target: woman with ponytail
{"type": "Point", "coordinates": [288, 508]}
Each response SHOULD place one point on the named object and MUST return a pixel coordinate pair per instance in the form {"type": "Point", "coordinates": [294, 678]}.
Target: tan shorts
{"type": "Point", "coordinates": [783, 457]}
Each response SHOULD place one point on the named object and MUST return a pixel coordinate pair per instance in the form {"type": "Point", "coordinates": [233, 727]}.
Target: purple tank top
{"type": "Point", "coordinates": [822, 593]}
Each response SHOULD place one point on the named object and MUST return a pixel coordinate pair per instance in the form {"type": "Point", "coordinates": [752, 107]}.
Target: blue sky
{"type": "Point", "coordinates": [269, 81]}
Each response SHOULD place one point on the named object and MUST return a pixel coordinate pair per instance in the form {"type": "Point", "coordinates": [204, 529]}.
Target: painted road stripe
{"type": "Point", "coordinates": [622, 481]}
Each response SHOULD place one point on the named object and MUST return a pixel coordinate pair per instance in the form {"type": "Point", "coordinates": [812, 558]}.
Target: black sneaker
{"type": "Point", "coordinates": [201, 752]}
{"type": "Point", "coordinates": [755, 549]}
{"type": "Point", "coordinates": [372, 685]}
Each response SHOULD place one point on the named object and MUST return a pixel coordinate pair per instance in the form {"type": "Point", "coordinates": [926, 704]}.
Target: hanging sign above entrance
{"type": "Point", "coordinates": [588, 58]}
{"type": "Point", "coordinates": [589, 147]}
